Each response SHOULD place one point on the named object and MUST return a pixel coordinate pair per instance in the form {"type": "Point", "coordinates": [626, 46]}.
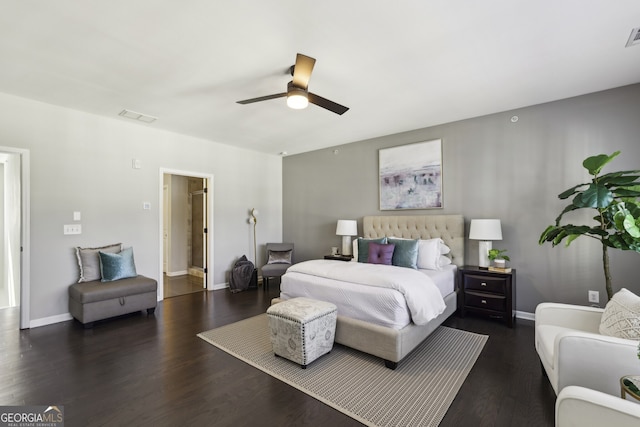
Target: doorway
{"type": "Point", "coordinates": [186, 220]}
{"type": "Point", "coordinates": [14, 229]}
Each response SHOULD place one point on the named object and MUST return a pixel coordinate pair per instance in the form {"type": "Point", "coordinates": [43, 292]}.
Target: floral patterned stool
{"type": "Point", "coordinates": [302, 329]}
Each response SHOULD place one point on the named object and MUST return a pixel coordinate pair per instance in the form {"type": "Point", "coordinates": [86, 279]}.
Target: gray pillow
{"type": "Point", "coordinates": [89, 261]}
{"type": "Point", "coordinates": [405, 254]}
{"type": "Point", "coordinates": [363, 247]}
{"type": "Point", "coordinates": [279, 257]}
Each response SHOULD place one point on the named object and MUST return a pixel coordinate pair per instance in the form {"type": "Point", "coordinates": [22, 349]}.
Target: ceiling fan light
{"type": "Point", "coordinates": [297, 100]}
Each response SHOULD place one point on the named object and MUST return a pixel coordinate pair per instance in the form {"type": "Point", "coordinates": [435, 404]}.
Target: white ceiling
{"type": "Point", "coordinates": [398, 65]}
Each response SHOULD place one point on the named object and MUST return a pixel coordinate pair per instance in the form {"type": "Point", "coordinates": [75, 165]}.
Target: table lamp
{"type": "Point", "coordinates": [485, 230]}
{"type": "Point", "coordinates": [346, 228]}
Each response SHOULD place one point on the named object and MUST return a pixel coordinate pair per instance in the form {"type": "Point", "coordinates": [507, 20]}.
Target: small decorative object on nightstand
{"type": "Point", "coordinates": [488, 292]}
{"type": "Point", "coordinates": [339, 257]}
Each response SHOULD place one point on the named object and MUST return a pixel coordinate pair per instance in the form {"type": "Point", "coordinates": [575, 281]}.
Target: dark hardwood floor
{"type": "Point", "coordinates": [139, 370]}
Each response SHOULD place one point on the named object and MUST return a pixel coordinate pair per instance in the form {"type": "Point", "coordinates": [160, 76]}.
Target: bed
{"type": "Point", "coordinates": [391, 339]}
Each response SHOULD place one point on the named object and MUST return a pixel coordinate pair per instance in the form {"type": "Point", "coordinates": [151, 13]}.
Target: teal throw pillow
{"type": "Point", "coordinates": [363, 247]}
{"type": "Point", "coordinates": [117, 266]}
{"type": "Point", "coordinates": [405, 253]}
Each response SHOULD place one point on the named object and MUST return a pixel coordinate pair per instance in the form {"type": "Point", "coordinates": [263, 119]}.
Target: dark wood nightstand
{"type": "Point", "coordinates": [339, 257]}
{"type": "Point", "coordinates": [488, 292]}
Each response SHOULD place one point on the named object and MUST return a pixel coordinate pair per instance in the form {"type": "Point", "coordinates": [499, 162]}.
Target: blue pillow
{"type": "Point", "coordinates": [363, 247]}
{"type": "Point", "coordinates": [405, 253]}
{"type": "Point", "coordinates": [380, 253]}
{"type": "Point", "coordinates": [117, 266]}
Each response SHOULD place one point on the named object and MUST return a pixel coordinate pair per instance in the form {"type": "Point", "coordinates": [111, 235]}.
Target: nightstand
{"type": "Point", "coordinates": [339, 257]}
{"type": "Point", "coordinates": [487, 292]}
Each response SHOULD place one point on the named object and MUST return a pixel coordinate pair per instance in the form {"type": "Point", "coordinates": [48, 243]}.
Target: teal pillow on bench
{"type": "Point", "coordinates": [117, 266]}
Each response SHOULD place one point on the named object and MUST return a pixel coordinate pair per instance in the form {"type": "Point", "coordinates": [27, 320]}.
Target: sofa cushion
{"type": "Point", "coordinates": [621, 317]}
{"type": "Point", "coordinates": [547, 337]}
{"type": "Point", "coordinates": [86, 292]}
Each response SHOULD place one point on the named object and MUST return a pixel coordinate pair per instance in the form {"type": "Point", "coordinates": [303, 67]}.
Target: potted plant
{"type": "Point", "coordinates": [615, 197]}
{"type": "Point", "coordinates": [498, 257]}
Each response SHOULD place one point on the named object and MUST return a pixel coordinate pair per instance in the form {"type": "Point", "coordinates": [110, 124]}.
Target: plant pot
{"type": "Point", "coordinates": [500, 263]}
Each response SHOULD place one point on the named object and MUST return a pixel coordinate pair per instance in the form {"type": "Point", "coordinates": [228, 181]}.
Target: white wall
{"type": "Point", "coordinates": [83, 162]}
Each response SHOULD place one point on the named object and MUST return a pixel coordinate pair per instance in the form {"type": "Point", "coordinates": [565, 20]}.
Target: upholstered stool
{"type": "Point", "coordinates": [302, 329]}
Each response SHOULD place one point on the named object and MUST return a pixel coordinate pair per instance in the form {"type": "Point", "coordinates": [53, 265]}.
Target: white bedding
{"type": "Point", "coordinates": [374, 299]}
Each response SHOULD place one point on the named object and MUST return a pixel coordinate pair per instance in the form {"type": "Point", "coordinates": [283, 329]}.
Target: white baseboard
{"type": "Point", "coordinates": [50, 320]}
{"type": "Point", "coordinates": [176, 273]}
{"type": "Point", "coordinates": [220, 286]}
{"type": "Point", "coordinates": [525, 315]}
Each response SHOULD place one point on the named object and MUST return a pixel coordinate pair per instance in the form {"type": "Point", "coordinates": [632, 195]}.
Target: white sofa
{"type": "Point", "coordinates": [573, 352]}
{"type": "Point", "coordinates": [579, 407]}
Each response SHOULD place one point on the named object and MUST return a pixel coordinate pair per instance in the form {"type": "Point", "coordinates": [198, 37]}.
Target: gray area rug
{"type": "Point", "coordinates": [417, 393]}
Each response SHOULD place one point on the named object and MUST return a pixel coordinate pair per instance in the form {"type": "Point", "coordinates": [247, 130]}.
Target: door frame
{"type": "Point", "coordinates": [210, 239]}
{"type": "Point", "coordinates": [25, 234]}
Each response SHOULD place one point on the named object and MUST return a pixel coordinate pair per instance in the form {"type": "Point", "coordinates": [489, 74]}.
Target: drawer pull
{"type": "Point", "coordinates": [484, 301]}
{"type": "Point", "coordinates": [483, 284]}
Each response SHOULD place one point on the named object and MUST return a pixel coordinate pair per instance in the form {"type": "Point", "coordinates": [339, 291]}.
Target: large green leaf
{"type": "Point", "coordinates": [631, 192]}
{"type": "Point", "coordinates": [596, 196]}
{"type": "Point", "coordinates": [571, 191]}
{"type": "Point", "coordinates": [594, 164]}
{"type": "Point", "coordinates": [618, 179]}
{"type": "Point", "coordinates": [631, 226]}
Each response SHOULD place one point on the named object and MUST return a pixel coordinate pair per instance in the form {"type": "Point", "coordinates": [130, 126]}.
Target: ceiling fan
{"type": "Point", "coordinates": [298, 95]}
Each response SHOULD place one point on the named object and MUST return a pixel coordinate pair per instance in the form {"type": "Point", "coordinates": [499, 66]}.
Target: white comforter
{"type": "Point", "coordinates": [423, 297]}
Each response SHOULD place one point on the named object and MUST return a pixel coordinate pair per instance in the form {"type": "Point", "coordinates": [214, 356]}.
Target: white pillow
{"type": "Point", "coordinates": [621, 317]}
{"type": "Point", "coordinates": [429, 252]}
{"type": "Point", "coordinates": [354, 250]}
{"type": "Point", "coordinates": [443, 261]}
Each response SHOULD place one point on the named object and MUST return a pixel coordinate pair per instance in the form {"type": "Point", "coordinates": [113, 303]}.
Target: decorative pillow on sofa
{"type": "Point", "coordinates": [117, 266]}
{"type": "Point", "coordinates": [621, 317]}
{"type": "Point", "coordinates": [89, 261]}
{"type": "Point", "coordinates": [380, 253]}
{"type": "Point", "coordinates": [363, 247]}
{"type": "Point", "coordinates": [279, 257]}
{"type": "Point", "coordinates": [405, 253]}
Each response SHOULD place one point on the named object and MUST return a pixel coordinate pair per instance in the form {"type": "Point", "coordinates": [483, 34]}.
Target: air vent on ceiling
{"type": "Point", "coordinates": [138, 116]}
{"type": "Point", "coordinates": [634, 38]}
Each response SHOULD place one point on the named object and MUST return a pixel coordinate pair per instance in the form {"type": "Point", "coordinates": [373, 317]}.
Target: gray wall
{"type": "Point", "coordinates": [492, 168]}
{"type": "Point", "coordinates": [83, 162]}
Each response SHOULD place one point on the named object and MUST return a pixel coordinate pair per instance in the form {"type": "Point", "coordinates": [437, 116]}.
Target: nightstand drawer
{"type": "Point", "coordinates": [485, 283]}
{"type": "Point", "coordinates": [486, 301]}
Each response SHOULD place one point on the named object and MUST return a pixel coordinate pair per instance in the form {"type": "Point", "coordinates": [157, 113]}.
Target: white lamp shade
{"type": "Point", "coordinates": [485, 229]}
{"type": "Point", "coordinates": [347, 227]}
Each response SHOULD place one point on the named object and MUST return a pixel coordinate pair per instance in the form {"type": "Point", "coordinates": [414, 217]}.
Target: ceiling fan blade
{"type": "Point", "coordinates": [262, 98]}
{"type": "Point", "coordinates": [325, 103]}
{"type": "Point", "coordinates": [302, 70]}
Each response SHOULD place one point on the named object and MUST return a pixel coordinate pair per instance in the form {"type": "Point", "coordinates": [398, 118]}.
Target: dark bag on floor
{"type": "Point", "coordinates": [242, 274]}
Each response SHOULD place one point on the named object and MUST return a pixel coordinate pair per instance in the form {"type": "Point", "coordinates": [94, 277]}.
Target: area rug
{"type": "Point", "coordinates": [417, 393]}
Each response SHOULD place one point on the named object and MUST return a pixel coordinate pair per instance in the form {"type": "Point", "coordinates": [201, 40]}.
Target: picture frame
{"type": "Point", "coordinates": [410, 176]}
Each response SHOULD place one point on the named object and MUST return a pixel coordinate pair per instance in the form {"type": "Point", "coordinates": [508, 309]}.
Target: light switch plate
{"type": "Point", "coordinates": [72, 229]}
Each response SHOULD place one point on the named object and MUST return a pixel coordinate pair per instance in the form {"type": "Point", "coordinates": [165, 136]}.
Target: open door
{"type": "Point", "coordinates": [199, 231]}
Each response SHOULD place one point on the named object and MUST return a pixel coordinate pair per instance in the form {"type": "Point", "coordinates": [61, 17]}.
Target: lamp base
{"type": "Point", "coordinates": [483, 253]}
{"type": "Point", "coordinates": [346, 245]}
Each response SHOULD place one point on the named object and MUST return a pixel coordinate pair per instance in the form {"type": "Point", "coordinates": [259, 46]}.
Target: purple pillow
{"type": "Point", "coordinates": [380, 253]}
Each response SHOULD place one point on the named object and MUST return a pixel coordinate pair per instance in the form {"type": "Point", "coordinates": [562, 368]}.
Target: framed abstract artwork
{"type": "Point", "coordinates": [410, 176]}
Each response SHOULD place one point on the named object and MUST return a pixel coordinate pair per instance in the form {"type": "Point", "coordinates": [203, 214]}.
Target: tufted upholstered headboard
{"type": "Point", "coordinates": [449, 228]}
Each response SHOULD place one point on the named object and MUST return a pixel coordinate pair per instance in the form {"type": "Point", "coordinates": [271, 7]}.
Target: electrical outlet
{"type": "Point", "coordinates": [594, 296]}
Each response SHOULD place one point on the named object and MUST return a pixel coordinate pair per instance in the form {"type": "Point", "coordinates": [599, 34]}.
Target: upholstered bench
{"type": "Point", "coordinates": [96, 300]}
{"type": "Point", "coordinates": [302, 329]}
